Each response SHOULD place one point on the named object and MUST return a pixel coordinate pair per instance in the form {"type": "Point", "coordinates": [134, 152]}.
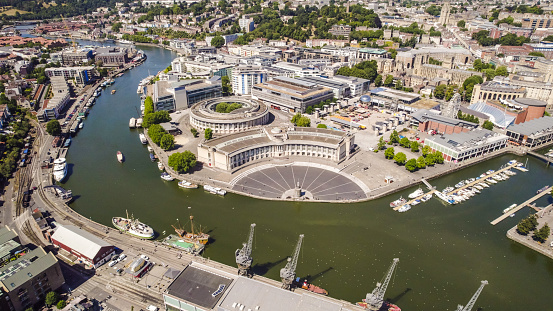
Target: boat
{"type": "Point", "coordinates": [139, 122]}
{"type": "Point", "coordinates": [542, 189]}
{"type": "Point", "coordinates": [187, 184]}
{"type": "Point", "coordinates": [426, 197]}
{"type": "Point", "coordinates": [192, 237]}
{"type": "Point", "coordinates": [112, 92]}
{"type": "Point", "coordinates": [505, 211]}
{"type": "Point", "coordinates": [152, 157]}
{"type": "Point", "coordinates": [505, 176]}
{"type": "Point", "coordinates": [512, 215]}
{"type": "Point", "coordinates": [60, 169]}
{"type": "Point", "coordinates": [497, 177]}
{"type": "Point", "coordinates": [81, 125]}
{"type": "Point", "coordinates": [404, 208]}
{"type": "Point", "coordinates": [310, 287]}
{"type": "Point", "coordinates": [490, 172]}
{"type": "Point", "coordinates": [143, 139]}
{"type": "Point", "coordinates": [167, 177]}
{"type": "Point", "coordinates": [160, 166]}
{"type": "Point", "coordinates": [385, 306]}
{"type": "Point", "coordinates": [150, 149]}
{"type": "Point", "coordinates": [485, 185]}
{"type": "Point", "coordinates": [448, 189]}
{"type": "Point", "coordinates": [416, 202]}
{"type": "Point", "coordinates": [475, 190]}
{"type": "Point", "coordinates": [490, 180]}
{"type": "Point", "coordinates": [416, 194]}
{"type": "Point", "coordinates": [175, 241]}
{"type": "Point", "coordinates": [460, 184]}
{"type": "Point", "coordinates": [133, 227]}
{"type": "Point", "coordinates": [398, 202]}
{"type": "Point", "coordinates": [477, 186]}
{"type": "Point", "coordinates": [132, 123]}
{"type": "Point", "coordinates": [214, 190]}
{"type": "Point", "coordinates": [67, 143]}
{"type": "Point", "coordinates": [120, 157]}
{"type": "Point", "coordinates": [444, 197]}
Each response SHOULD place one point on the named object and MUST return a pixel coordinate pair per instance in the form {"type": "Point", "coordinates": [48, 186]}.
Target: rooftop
{"type": "Point", "coordinates": [468, 140]}
{"type": "Point", "coordinates": [24, 268]}
{"type": "Point", "coordinates": [79, 240]}
{"type": "Point", "coordinates": [533, 127]}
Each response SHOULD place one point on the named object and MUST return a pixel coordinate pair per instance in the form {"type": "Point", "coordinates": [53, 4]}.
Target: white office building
{"type": "Point", "coordinates": [245, 77]}
{"type": "Point", "coordinates": [299, 70]}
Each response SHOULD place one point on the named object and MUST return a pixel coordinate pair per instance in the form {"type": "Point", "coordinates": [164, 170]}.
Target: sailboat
{"type": "Point", "coordinates": [191, 237]}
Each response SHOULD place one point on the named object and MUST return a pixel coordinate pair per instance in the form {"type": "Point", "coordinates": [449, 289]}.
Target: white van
{"type": "Point", "coordinates": [112, 263]}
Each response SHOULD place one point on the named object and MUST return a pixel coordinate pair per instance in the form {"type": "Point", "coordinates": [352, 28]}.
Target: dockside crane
{"type": "Point", "coordinates": [472, 300]}
{"type": "Point", "coordinates": [375, 299]}
{"type": "Point", "coordinates": [243, 256]}
{"type": "Point", "coordinates": [288, 273]}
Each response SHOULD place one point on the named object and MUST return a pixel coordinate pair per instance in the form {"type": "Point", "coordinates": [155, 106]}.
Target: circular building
{"type": "Point", "coordinates": [251, 113]}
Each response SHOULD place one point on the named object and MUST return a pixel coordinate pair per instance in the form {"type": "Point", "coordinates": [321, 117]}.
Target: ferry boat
{"type": "Point", "coordinates": [60, 169]}
{"type": "Point", "coordinates": [416, 194]}
{"type": "Point", "coordinates": [214, 190]}
{"type": "Point", "coordinates": [167, 177]}
{"type": "Point", "coordinates": [398, 202]}
{"type": "Point", "coordinates": [187, 184]}
{"type": "Point", "coordinates": [132, 123]}
{"type": "Point", "coordinates": [505, 211]}
{"type": "Point", "coordinates": [120, 157]}
{"type": "Point", "coordinates": [542, 189]}
{"type": "Point", "coordinates": [191, 237]}
{"type": "Point", "coordinates": [143, 139]}
{"type": "Point", "coordinates": [310, 287]}
{"type": "Point", "coordinates": [133, 227]}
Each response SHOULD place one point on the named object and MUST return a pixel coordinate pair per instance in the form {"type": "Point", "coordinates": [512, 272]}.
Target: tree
{"type": "Point", "coordinates": [381, 144]}
{"type": "Point", "coordinates": [411, 165]}
{"type": "Point", "coordinates": [304, 122]}
{"type": "Point", "coordinates": [527, 224]}
{"type": "Point", "coordinates": [155, 118]}
{"type": "Point", "coordinates": [426, 150]}
{"type": "Point", "coordinates": [501, 71]}
{"type": "Point", "coordinates": [548, 38]}
{"type": "Point", "coordinates": [415, 146]}
{"type": "Point", "coordinates": [148, 105]}
{"type": "Point", "coordinates": [439, 92]}
{"type": "Point", "coordinates": [296, 118]}
{"type": "Point", "coordinates": [450, 92]}
{"type": "Point", "coordinates": [389, 80]}
{"type": "Point", "coordinates": [461, 24]}
{"type": "Point", "coordinates": [488, 125]}
{"type": "Point", "coordinates": [167, 142]}
{"type": "Point", "coordinates": [321, 126]}
{"type": "Point", "coordinates": [51, 299]}
{"type": "Point", "coordinates": [378, 81]}
{"type": "Point", "coordinates": [438, 157]}
{"type": "Point", "coordinates": [53, 127]}
{"type": "Point", "coordinates": [536, 53]}
{"type": "Point", "coordinates": [182, 162]}
{"type": "Point", "coordinates": [217, 41]}
{"type": "Point", "coordinates": [421, 162]}
{"type": "Point", "coordinates": [227, 87]}
{"type": "Point", "coordinates": [194, 132]}
{"type": "Point", "coordinates": [208, 133]}
{"type": "Point", "coordinates": [156, 132]}
{"type": "Point", "coordinates": [405, 142]}
{"type": "Point", "coordinates": [400, 158]}
{"type": "Point", "coordinates": [542, 234]}
{"type": "Point", "coordinates": [61, 304]}
{"type": "Point", "coordinates": [399, 85]}
{"type": "Point", "coordinates": [389, 153]}
{"type": "Point", "coordinates": [221, 107]}
{"type": "Point", "coordinates": [394, 138]}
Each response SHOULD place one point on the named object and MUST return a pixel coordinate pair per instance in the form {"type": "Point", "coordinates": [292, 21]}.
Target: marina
{"type": "Point", "coordinates": [520, 206]}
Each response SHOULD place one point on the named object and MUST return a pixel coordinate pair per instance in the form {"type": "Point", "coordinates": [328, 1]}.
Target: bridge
{"type": "Point", "coordinates": [543, 157]}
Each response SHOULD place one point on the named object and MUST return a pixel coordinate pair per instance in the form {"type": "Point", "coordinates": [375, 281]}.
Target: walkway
{"type": "Point", "coordinates": [519, 207]}
{"type": "Point", "coordinates": [482, 179]}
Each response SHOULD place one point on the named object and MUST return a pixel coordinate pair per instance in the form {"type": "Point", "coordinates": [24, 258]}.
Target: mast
{"type": "Point", "coordinates": [472, 300]}
{"type": "Point", "coordinates": [192, 225]}
{"type": "Point", "coordinates": [376, 298]}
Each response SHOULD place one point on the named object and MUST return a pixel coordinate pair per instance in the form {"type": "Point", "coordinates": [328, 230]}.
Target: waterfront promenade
{"type": "Point", "coordinates": [544, 217]}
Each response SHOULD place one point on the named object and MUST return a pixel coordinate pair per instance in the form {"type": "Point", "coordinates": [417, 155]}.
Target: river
{"type": "Point", "coordinates": [444, 251]}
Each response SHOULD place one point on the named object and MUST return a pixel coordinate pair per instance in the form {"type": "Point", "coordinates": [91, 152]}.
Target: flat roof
{"type": "Point", "coordinates": [532, 127]}
{"type": "Point", "coordinates": [21, 270]}
{"type": "Point", "coordinates": [197, 285]}
{"type": "Point", "coordinates": [387, 92]}
{"type": "Point", "coordinates": [468, 140]}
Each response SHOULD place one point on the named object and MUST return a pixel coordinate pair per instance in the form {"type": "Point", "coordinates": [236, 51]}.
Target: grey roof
{"type": "Point", "coordinates": [197, 286]}
{"type": "Point", "coordinates": [79, 240]}
{"type": "Point", "coordinates": [324, 82]}
{"type": "Point", "coordinates": [530, 102]}
{"type": "Point", "coordinates": [21, 270]}
{"type": "Point", "coordinates": [475, 113]}
{"type": "Point", "coordinates": [423, 115]}
{"type": "Point", "coordinates": [533, 127]}
{"type": "Point", "coordinates": [6, 234]}
{"type": "Point", "coordinates": [466, 140]}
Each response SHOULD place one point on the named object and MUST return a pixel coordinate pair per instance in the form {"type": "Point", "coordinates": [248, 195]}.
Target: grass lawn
{"type": "Point", "coordinates": [11, 12]}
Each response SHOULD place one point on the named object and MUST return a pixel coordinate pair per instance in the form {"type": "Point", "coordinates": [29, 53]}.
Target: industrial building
{"type": "Point", "coordinates": [532, 133]}
{"type": "Point", "coordinates": [174, 96]}
{"type": "Point", "coordinates": [466, 145]}
{"type": "Point", "coordinates": [26, 276]}
{"type": "Point", "coordinates": [252, 113]}
{"type": "Point", "coordinates": [290, 94]}
{"type": "Point", "coordinates": [81, 246]}
{"type": "Point", "coordinates": [426, 121]}
{"type": "Point", "coordinates": [236, 150]}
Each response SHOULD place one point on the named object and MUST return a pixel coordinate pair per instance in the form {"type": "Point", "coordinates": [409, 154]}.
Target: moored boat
{"type": "Point", "coordinates": [60, 169]}
{"type": "Point", "coordinates": [404, 208]}
{"type": "Point", "coordinates": [120, 157]}
{"type": "Point", "coordinates": [133, 227]}
{"type": "Point", "coordinates": [167, 177]}
{"type": "Point", "coordinates": [187, 184]}
{"type": "Point", "coordinates": [160, 166]}
{"type": "Point", "coordinates": [132, 123]}
{"type": "Point", "coordinates": [312, 288]}
{"type": "Point", "coordinates": [192, 237]}
{"type": "Point", "coordinates": [214, 190]}
{"type": "Point", "coordinates": [505, 211]}
{"type": "Point", "coordinates": [542, 189]}
{"type": "Point", "coordinates": [416, 194]}
{"type": "Point", "coordinates": [143, 139]}
{"type": "Point", "coordinates": [426, 197]}
{"type": "Point", "coordinates": [398, 202]}
{"type": "Point", "coordinates": [139, 122]}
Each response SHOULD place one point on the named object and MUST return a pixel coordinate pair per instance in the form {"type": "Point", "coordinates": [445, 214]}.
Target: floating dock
{"type": "Point", "coordinates": [520, 206]}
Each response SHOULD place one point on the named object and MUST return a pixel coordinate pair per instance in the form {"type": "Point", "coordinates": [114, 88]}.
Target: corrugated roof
{"type": "Point", "coordinates": [533, 127]}
{"type": "Point", "coordinates": [79, 240]}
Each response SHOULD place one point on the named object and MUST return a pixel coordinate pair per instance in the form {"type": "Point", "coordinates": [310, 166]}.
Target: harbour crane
{"type": "Point", "coordinates": [375, 299]}
{"type": "Point", "coordinates": [288, 273]}
{"type": "Point", "coordinates": [243, 256]}
{"type": "Point", "coordinates": [472, 300]}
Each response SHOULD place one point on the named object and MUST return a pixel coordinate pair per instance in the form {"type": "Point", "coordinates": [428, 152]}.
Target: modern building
{"type": "Point", "coordinates": [340, 89]}
{"type": "Point", "coordinates": [395, 99]}
{"type": "Point", "coordinates": [234, 151]}
{"type": "Point", "coordinates": [112, 56]}
{"type": "Point", "coordinates": [72, 57]}
{"type": "Point", "coordinates": [357, 86]}
{"type": "Point", "coordinates": [53, 107]}
{"type": "Point", "coordinates": [340, 30]}
{"type": "Point", "coordinates": [252, 114]}
{"type": "Point", "coordinates": [82, 75]}
{"type": "Point", "coordinates": [503, 112]}
{"type": "Point", "coordinates": [201, 69]}
{"type": "Point", "coordinates": [532, 133]}
{"type": "Point", "coordinates": [245, 77]}
{"type": "Point", "coordinates": [246, 24]}
{"type": "Point", "coordinates": [426, 121]}
{"type": "Point", "coordinates": [290, 94]}
{"type": "Point", "coordinates": [27, 276]}
{"type": "Point", "coordinates": [174, 96]}
{"type": "Point", "coordinates": [299, 70]}
{"type": "Point", "coordinates": [81, 246]}
{"type": "Point", "coordinates": [466, 145]}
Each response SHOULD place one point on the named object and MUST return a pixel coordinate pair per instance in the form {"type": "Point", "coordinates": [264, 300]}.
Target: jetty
{"type": "Point", "coordinates": [543, 157]}
{"type": "Point", "coordinates": [520, 206]}
{"type": "Point", "coordinates": [508, 167]}
{"type": "Point", "coordinates": [428, 185]}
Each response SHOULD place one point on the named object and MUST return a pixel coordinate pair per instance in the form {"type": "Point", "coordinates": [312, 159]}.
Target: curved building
{"type": "Point", "coordinates": [233, 151]}
{"type": "Point", "coordinates": [252, 113]}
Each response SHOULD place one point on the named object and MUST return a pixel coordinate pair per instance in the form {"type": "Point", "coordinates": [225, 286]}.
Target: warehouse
{"type": "Point", "coordinates": [81, 246]}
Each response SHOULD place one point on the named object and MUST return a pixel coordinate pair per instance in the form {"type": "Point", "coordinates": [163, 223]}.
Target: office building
{"type": "Point", "coordinates": [173, 96]}
{"type": "Point", "coordinates": [245, 77]}
{"type": "Point", "coordinates": [52, 108]}
{"type": "Point", "coordinates": [111, 56]}
{"type": "Point", "coordinates": [82, 75]}
{"type": "Point", "coordinates": [532, 133]}
{"type": "Point", "coordinates": [246, 24]}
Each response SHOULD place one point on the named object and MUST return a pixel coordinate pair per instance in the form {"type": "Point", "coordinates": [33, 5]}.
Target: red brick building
{"type": "Point", "coordinates": [428, 121]}
{"type": "Point", "coordinates": [523, 109]}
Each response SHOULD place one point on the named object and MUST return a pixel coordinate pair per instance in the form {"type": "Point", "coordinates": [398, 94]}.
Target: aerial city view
{"type": "Point", "coordinates": [276, 155]}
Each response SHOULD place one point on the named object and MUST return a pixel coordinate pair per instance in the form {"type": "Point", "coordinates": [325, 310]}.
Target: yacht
{"type": "Point", "coordinates": [416, 194]}
{"type": "Point", "coordinates": [505, 211]}
{"type": "Point", "coordinates": [214, 190]}
{"type": "Point", "coordinates": [485, 185]}
{"type": "Point", "coordinates": [60, 169]}
{"type": "Point", "coordinates": [460, 184]}
{"type": "Point", "coordinates": [187, 184]}
{"type": "Point", "coordinates": [120, 157]}
{"type": "Point", "coordinates": [81, 124]}
{"type": "Point", "coordinates": [160, 166]}
{"type": "Point", "coordinates": [477, 186]}
{"type": "Point", "coordinates": [398, 202]}
{"type": "Point", "coordinates": [139, 122]}
{"type": "Point", "coordinates": [150, 149]}
{"type": "Point", "coordinates": [416, 202]}
{"type": "Point", "coordinates": [132, 123]}
{"type": "Point", "coordinates": [426, 197]}
{"type": "Point", "coordinates": [491, 181]}
{"type": "Point", "coordinates": [167, 177]}
{"type": "Point", "coordinates": [448, 189]}
{"type": "Point", "coordinates": [143, 139]}
{"type": "Point", "coordinates": [445, 198]}
{"type": "Point", "coordinates": [404, 208]}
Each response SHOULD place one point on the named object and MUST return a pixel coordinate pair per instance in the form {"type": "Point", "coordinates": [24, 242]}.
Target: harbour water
{"type": "Point", "coordinates": [444, 251]}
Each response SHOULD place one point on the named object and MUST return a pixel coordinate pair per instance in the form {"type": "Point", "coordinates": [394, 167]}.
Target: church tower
{"type": "Point", "coordinates": [444, 15]}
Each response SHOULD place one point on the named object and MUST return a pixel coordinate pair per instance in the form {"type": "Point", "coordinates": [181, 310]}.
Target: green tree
{"type": "Point", "coordinates": [381, 144]}
{"type": "Point", "coordinates": [415, 146]}
{"type": "Point", "coordinates": [405, 142]}
{"type": "Point", "coordinates": [450, 92]}
{"type": "Point", "coordinates": [430, 159]}
{"type": "Point", "coordinates": [321, 126]}
{"type": "Point", "coordinates": [53, 127]}
{"type": "Point", "coordinates": [542, 234]}
{"type": "Point", "coordinates": [155, 131]}
{"type": "Point", "coordinates": [399, 85]}
{"type": "Point", "coordinates": [421, 162]}
{"type": "Point", "coordinates": [296, 118]}
{"type": "Point", "coordinates": [501, 71]}
{"type": "Point", "coordinates": [304, 122]}
{"type": "Point", "coordinates": [309, 110]}
{"type": "Point", "coordinates": [157, 117]}
{"type": "Point", "coordinates": [461, 24]}
{"type": "Point", "coordinates": [438, 157]}
{"type": "Point", "coordinates": [378, 81]}
{"type": "Point", "coordinates": [208, 133]}
{"type": "Point", "coordinates": [217, 41]}
{"type": "Point", "coordinates": [226, 85]}
{"type": "Point", "coordinates": [61, 304]}
{"type": "Point", "coordinates": [411, 165]}
{"type": "Point", "coordinates": [394, 138]}
{"type": "Point", "coordinates": [389, 80]}
{"type": "Point", "coordinates": [426, 150]}
{"type": "Point", "coordinates": [194, 132]}
{"type": "Point", "coordinates": [148, 105]}
{"type": "Point", "coordinates": [488, 125]}
{"type": "Point", "coordinates": [439, 92]}
{"type": "Point", "coordinates": [116, 27]}
{"type": "Point", "coordinates": [536, 53]}
{"type": "Point", "coordinates": [389, 153]}
{"type": "Point", "coordinates": [400, 158]}
{"type": "Point", "coordinates": [182, 162]}
{"type": "Point", "coordinates": [167, 142]}
{"type": "Point", "coordinates": [221, 107]}
{"type": "Point", "coordinates": [51, 299]}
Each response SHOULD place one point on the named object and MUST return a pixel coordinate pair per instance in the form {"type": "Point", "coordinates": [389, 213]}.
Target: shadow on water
{"type": "Point", "coordinates": [262, 269]}
{"type": "Point", "coordinates": [397, 298]}
{"type": "Point", "coordinates": [311, 278]}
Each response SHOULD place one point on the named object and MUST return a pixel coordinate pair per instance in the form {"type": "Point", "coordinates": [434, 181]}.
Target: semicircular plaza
{"type": "Point", "coordinates": [300, 181]}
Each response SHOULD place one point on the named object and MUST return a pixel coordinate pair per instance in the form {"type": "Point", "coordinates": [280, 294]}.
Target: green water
{"type": "Point", "coordinates": [444, 250]}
